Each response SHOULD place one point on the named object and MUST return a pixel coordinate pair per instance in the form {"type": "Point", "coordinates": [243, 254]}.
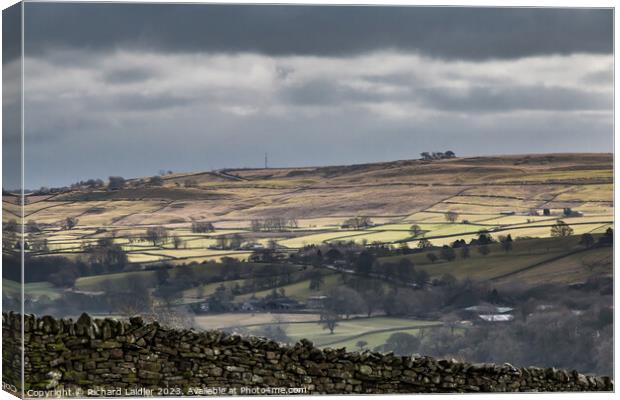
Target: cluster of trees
{"type": "Point", "coordinates": [116, 182]}
{"type": "Point", "coordinates": [361, 295]}
{"type": "Point", "coordinates": [403, 271]}
{"type": "Point", "coordinates": [89, 183]}
{"type": "Point", "coordinates": [575, 333]}
{"type": "Point", "coordinates": [560, 339]}
{"type": "Point", "coordinates": [437, 155]}
{"type": "Point", "coordinates": [401, 344]}
{"type": "Point", "coordinates": [156, 181]}
{"type": "Point", "coordinates": [103, 257]}
{"type": "Point", "coordinates": [356, 223]}
{"type": "Point", "coordinates": [481, 243]}
{"type": "Point", "coordinates": [157, 235]}
{"type": "Point", "coordinates": [451, 216]}
{"type": "Point", "coordinates": [202, 227]}
{"type": "Point", "coordinates": [232, 242]}
{"type": "Point", "coordinates": [274, 224]}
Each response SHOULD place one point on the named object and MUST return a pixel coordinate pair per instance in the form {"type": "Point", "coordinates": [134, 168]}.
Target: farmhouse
{"type": "Point", "coordinates": [496, 317]}
{"type": "Point", "coordinates": [489, 308]}
{"type": "Point", "coordinates": [483, 313]}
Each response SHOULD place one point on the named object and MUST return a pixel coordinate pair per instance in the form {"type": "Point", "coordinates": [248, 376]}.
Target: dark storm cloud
{"type": "Point", "coordinates": [121, 89]}
{"type": "Point", "coordinates": [476, 99]}
{"type": "Point", "coordinates": [11, 98]}
{"type": "Point", "coordinates": [11, 33]}
{"type": "Point", "coordinates": [451, 33]}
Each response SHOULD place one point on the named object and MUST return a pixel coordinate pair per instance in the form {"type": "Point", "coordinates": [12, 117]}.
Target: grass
{"type": "Point", "coordinates": [144, 258]}
{"type": "Point", "coordinates": [228, 320]}
{"type": "Point", "coordinates": [382, 236]}
{"type": "Point", "coordinates": [520, 219]}
{"type": "Point", "coordinates": [571, 269]}
{"type": "Point", "coordinates": [34, 290]}
{"type": "Point", "coordinates": [318, 238]}
{"type": "Point", "coordinates": [434, 217]}
{"type": "Point", "coordinates": [587, 193]}
{"type": "Point", "coordinates": [505, 202]}
{"type": "Point", "coordinates": [203, 291]}
{"type": "Point", "coordinates": [520, 231]}
{"type": "Point", "coordinates": [543, 232]}
{"type": "Point", "coordinates": [453, 229]}
{"type": "Point", "coordinates": [299, 291]}
{"type": "Point", "coordinates": [373, 339]}
{"type": "Point", "coordinates": [118, 280]}
{"type": "Point", "coordinates": [442, 241]}
{"type": "Point", "coordinates": [477, 208]}
{"type": "Point", "coordinates": [562, 176]}
{"type": "Point", "coordinates": [524, 254]}
{"type": "Point", "coordinates": [347, 329]}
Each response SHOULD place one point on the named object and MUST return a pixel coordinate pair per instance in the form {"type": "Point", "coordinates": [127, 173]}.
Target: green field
{"type": "Point", "coordinates": [32, 290]}
{"type": "Point", "coordinates": [525, 253]}
{"type": "Point", "coordinates": [347, 331]}
{"type": "Point", "coordinates": [317, 201]}
{"type": "Point", "coordinates": [300, 290]}
{"type": "Point", "coordinates": [317, 238]}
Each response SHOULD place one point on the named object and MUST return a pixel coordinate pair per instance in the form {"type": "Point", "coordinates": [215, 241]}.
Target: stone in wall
{"type": "Point", "coordinates": [108, 357]}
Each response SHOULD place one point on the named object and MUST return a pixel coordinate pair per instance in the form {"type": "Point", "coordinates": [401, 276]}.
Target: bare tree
{"type": "Point", "coordinates": [416, 230]}
{"type": "Point", "coordinates": [177, 242]}
{"type": "Point", "coordinates": [451, 216]}
{"type": "Point", "coordinates": [157, 234]}
{"type": "Point", "coordinates": [329, 320]}
{"type": "Point", "coordinates": [70, 223]}
{"type": "Point", "coordinates": [202, 227]}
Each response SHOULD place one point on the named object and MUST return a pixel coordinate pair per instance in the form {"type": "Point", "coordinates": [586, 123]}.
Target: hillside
{"type": "Point", "coordinates": [94, 250]}
{"type": "Point", "coordinates": [498, 194]}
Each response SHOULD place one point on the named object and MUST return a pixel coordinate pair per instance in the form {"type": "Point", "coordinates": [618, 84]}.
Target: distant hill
{"type": "Point", "coordinates": [387, 188]}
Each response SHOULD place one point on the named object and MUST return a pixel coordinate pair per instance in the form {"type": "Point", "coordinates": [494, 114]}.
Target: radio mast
{"type": "Point", "coordinates": [266, 163]}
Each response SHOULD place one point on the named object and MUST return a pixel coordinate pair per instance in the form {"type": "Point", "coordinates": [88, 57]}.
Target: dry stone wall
{"type": "Point", "coordinates": [115, 358]}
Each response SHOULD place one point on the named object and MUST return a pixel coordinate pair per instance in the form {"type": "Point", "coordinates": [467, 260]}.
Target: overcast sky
{"type": "Point", "coordinates": [131, 89]}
